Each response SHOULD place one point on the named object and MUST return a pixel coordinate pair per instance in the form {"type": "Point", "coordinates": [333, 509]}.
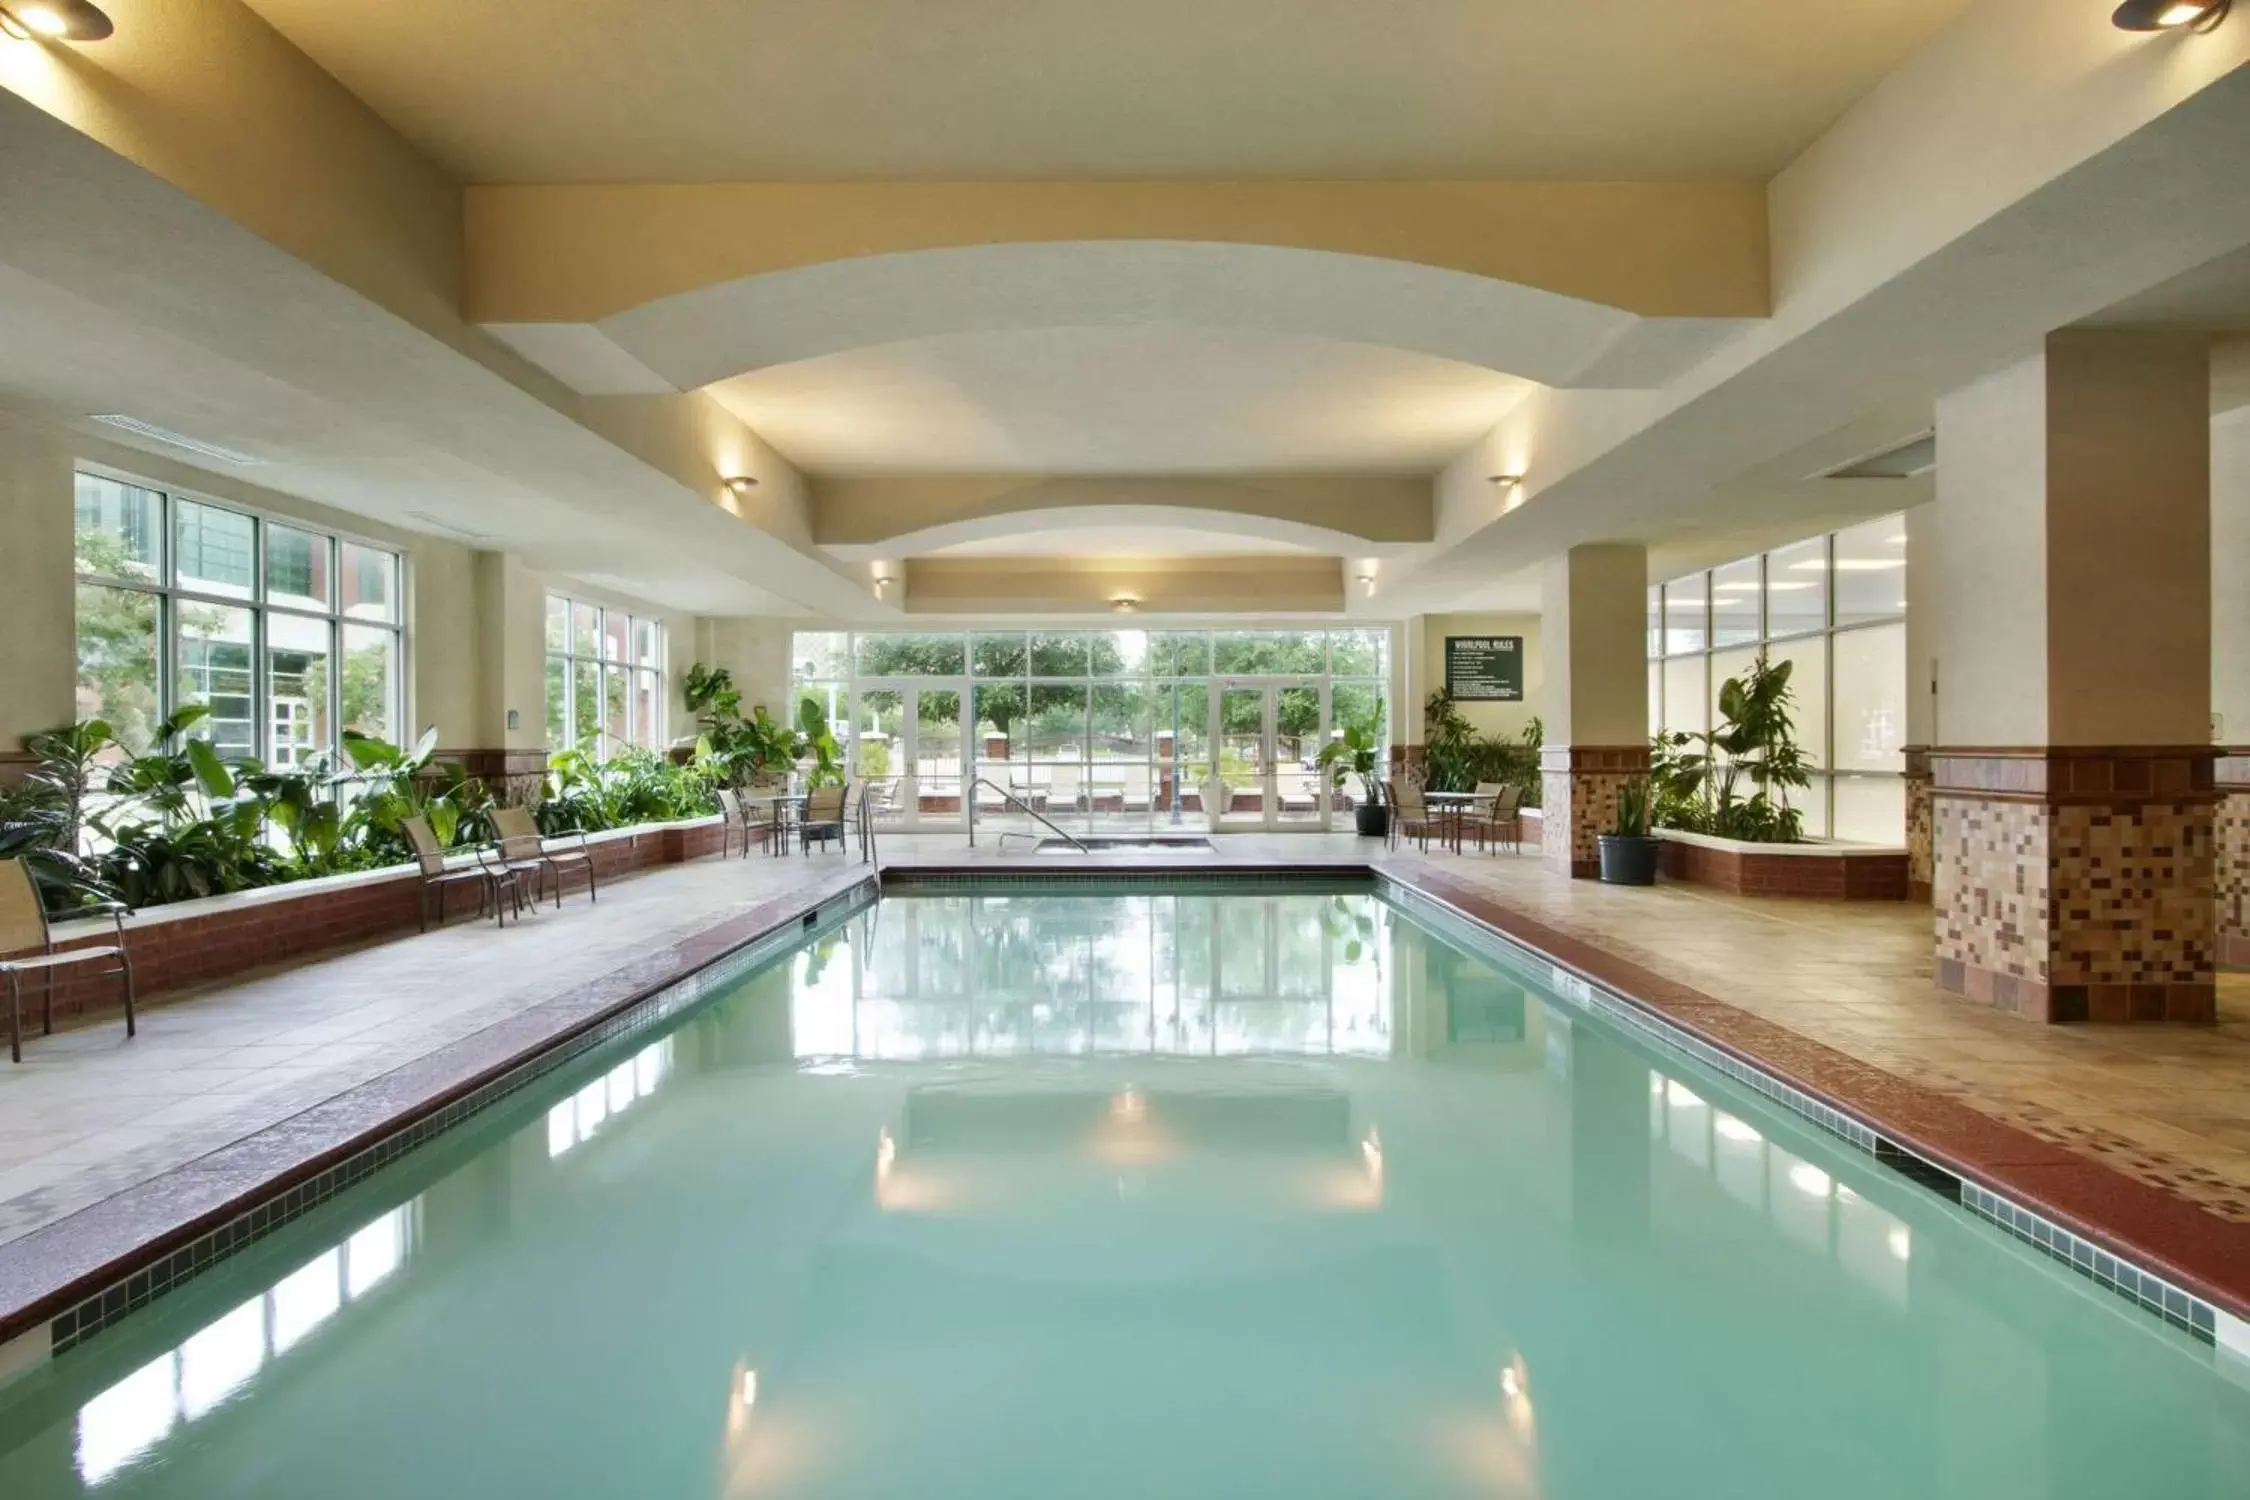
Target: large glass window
{"type": "Point", "coordinates": [1098, 726]}
{"type": "Point", "coordinates": [181, 600]}
{"type": "Point", "coordinates": [1834, 607]}
{"type": "Point", "coordinates": [605, 678]}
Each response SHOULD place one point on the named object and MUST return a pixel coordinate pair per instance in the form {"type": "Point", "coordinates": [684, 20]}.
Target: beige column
{"type": "Point", "coordinates": [1411, 670]}
{"type": "Point", "coordinates": [1921, 691]}
{"type": "Point", "coordinates": [1594, 603]}
{"type": "Point", "coordinates": [38, 634]}
{"type": "Point", "coordinates": [2072, 782]}
{"type": "Point", "coordinates": [480, 665]}
{"type": "Point", "coordinates": [2230, 678]}
{"type": "Point", "coordinates": [756, 651]}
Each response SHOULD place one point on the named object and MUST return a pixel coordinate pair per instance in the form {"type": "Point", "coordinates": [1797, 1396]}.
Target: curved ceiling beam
{"type": "Point", "coordinates": [908, 517]}
{"type": "Point", "coordinates": [696, 338]}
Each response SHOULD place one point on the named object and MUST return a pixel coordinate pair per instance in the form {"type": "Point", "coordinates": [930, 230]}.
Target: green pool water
{"type": "Point", "coordinates": [1157, 1194]}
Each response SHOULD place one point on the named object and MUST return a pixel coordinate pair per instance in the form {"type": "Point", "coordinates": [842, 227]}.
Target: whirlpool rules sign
{"type": "Point", "coordinates": [1484, 668]}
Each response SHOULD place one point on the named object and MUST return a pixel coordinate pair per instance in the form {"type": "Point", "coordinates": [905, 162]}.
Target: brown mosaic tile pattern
{"type": "Point", "coordinates": [1919, 828]}
{"type": "Point", "coordinates": [1988, 868]}
{"type": "Point", "coordinates": [1579, 786]}
{"type": "Point", "coordinates": [2130, 897]}
{"type": "Point", "coordinates": [2230, 875]}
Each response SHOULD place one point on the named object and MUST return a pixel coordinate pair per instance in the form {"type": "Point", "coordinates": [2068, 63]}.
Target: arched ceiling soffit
{"type": "Point", "coordinates": [697, 338]}
{"type": "Point", "coordinates": [1029, 522]}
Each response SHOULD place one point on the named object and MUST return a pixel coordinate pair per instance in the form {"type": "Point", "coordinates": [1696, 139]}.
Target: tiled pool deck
{"type": "Point", "coordinates": [2146, 1126]}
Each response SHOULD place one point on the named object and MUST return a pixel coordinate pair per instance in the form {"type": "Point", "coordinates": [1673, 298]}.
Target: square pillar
{"type": "Point", "coordinates": [2230, 678]}
{"type": "Point", "coordinates": [1594, 604]}
{"type": "Point", "coordinates": [2072, 790]}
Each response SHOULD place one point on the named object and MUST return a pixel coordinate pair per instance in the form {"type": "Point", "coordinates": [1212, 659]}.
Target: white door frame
{"type": "Point", "coordinates": [1269, 819]}
{"type": "Point", "coordinates": [906, 813]}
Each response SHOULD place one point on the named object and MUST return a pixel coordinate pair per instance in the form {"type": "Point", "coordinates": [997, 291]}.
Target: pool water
{"type": "Point", "coordinates": [1157, 1194]}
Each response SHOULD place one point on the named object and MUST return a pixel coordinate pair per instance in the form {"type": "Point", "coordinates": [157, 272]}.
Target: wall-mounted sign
{"type": "Point", "coordinates": [1484, 668]}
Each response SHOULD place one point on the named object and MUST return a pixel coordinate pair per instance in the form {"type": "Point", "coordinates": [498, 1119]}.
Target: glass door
{"type": "Point", "coordinates": [1267, 735]}
{"type": "Point", "coordinates": [906, 738]}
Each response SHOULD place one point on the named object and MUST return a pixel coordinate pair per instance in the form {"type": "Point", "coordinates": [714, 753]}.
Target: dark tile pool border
{"type": "Point", "coordinates": [66, 1281]}
{"type": "Point", "coordinates": [2165, 1255]}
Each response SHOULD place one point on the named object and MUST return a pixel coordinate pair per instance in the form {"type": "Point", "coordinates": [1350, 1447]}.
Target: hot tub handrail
{"type": "Point", "coordinates": [1017, 802]}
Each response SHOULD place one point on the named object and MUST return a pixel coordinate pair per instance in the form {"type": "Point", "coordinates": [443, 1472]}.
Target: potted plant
{"type": "Point", "coordinates": [1628, 854]}
{"type": "Point", "coordinates": [1353, 753]}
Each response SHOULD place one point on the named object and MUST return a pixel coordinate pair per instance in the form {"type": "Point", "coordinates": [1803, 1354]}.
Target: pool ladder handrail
{"type": "Point", "coordinates": [1028, 810]}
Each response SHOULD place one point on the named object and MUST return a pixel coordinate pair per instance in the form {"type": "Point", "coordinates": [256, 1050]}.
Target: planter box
{"type": "Point", "coordinates": [1822, 871]}
{"type": "Point", "coordinates": [216, 937]}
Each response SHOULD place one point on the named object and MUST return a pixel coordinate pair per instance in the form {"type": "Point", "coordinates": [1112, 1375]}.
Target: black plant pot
{"type": "Point", "coordinates": [1372, 819]}
{"type": "Point", "coordinates": [1628, 859]}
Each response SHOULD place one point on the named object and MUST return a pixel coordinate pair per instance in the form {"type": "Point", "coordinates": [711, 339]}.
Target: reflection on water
{"type": "Point", "coordinates": [1133, 1195]}
{"type": "Point", "coordinates": [1013, 975]}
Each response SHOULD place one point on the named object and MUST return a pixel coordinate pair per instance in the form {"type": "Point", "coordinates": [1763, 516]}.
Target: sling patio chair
{"type": "Point", "coordinates": [735, 819]}
{"type": "Point", "coordinates": [824, 817]}
{"type": "Point", "coordinates": [1410, 815]}
{"type": "Point", "coordinates": [490, 881]}
{"type": "Point", "coordinates": [1497, 815]}
{"type": "Point", "coordinates": [520, 844]}
{"type": "Point", "coordinates": [27, 946]}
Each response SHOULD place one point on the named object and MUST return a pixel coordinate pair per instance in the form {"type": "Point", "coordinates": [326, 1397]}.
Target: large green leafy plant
{"type": "Point", "coordinates": [1698, 778]}
{"type": "Point", "coordinates": [1354, 753]}
{"type": "Point", "coordinates": [1455, 757]}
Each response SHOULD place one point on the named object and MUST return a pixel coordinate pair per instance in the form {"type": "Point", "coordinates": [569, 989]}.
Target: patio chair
{"type": "Point", "coordinates": [1501, 817]}
{"type": "Point", "coordinates": [521, 845]}
{"type": "Point", "coordinates": [23, 927]}
{"type": "Point", "coordinates": [490, 881]}
{"type": "Point", "coordinates": [823, 817]}
{"type": "Point", "coordinates": [875, 803]}
{"type": "Point", "coordinates": [734, 819]}
{"type": "Point", "coordinates": [1410, 815]}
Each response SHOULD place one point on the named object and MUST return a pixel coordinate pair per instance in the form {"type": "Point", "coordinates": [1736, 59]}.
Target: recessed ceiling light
{"type": "Point", "coordinates": [169, 438]}
{"type": "Point", "coordinates": [2168, 15]}
{"type": "Point", "coordinates": [59, 20]}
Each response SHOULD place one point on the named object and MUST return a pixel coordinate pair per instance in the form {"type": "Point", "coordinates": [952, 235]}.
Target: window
{"type": "Point", "coordinates": [1834, 606]}
{"type": "Point", "coordinates": [1092, 727]}
{"type": "Point", "coordinates": [605, 678]}
{"type": "Point", "coordinates": [181, 600]}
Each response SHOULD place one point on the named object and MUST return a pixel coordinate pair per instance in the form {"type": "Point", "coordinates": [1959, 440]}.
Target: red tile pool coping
{"type": "Point", "coordinates": [55, 1267]}
{"type": "Point", "coordinates": [2201, 1252]}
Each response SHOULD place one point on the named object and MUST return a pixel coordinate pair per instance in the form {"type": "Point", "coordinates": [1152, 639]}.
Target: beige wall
{"type": "Point", "coordinates": [1506, 720]}
{"type": "Point", "coordinates": [37, 642]}
{"type": "Point", "coordinates": [756, 651]}
{"type": "Point", "coordinates": [2230, 576]}
{"type": "Point", "coordinates": [1595, 605]}
{"type": "Point", "coordinates": [1991, 562]}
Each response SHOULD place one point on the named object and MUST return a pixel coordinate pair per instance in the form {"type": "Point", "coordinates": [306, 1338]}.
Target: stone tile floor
{"type": "Point", "coordinates": [88, 1115]}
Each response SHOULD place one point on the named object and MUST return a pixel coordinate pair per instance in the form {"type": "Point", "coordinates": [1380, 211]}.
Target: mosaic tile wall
{"type": "Point", "coordinates": [1578, 795]}
{"type": "Point", "coordinates": [1918, 825]}
{"type": "Point", "coordinates": [2078, 911]}
{"type": "Point", "coordinates": [2231, 876]}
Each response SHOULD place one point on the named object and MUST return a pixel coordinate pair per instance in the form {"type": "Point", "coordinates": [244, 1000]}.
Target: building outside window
{"type": "Point", "coordinates": [1835, 607]}
{"type": "Point", "coordinates": [605, 678]}
{"type": "Point", "coordinates": [180, 600]}
{"type": "Point", "coordinates": [1098, 728]}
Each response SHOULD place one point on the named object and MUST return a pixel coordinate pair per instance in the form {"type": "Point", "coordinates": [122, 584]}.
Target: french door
{"type": "Point", "coordinates": [1266, 735]}
{"type": "Point", "coordinates": [908, 734]}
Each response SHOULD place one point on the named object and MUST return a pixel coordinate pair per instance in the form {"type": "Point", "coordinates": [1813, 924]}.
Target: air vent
{"type": "Point", "coordinates": [442, 524]}
{"type": "Point", "coordinates": [171, 439]}
{"type": "Point", "coordinates": [1909, 460]}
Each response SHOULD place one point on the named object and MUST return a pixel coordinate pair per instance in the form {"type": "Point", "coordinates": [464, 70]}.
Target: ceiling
{"type": "Point", "coordinates": [1151, 400]}
{"type": "Point", "coordinates": [745, 90]}
{"type": "Point", "coordinates": [1122, 542]}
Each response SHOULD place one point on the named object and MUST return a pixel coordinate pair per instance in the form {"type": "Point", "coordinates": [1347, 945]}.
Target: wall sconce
{"type": "Point", "coordinates": [739, 484]}
{"type": "Point", "coordinates": [1508, 481]}
{"type": "Point", "coordinates": [1124, 604]}
{"type": "Point", "coordinates": [2169, 15]}
{"type": "Point", "coordinates": [882, 584]}
{"type": "Point", "coordinates": [1366, 583]}
{"type": "Point", "coordinates": [56, 20]}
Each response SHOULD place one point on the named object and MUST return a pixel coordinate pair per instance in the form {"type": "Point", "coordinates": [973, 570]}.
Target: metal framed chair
{"type": "Point", "coordinates": [522, 847]}
{"type": "Point", "coordinates": [823, 820]}
{"type": "Point", "coordinates": [1410, 815]}
{"type": "Point", "coordinates": [23, 927]}
{"type": "Point", "coordinates": [490, 881]}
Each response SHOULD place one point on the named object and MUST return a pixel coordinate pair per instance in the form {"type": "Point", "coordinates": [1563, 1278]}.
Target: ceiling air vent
{"type": "Point", "coordinates": [1909, 460]}
{"type": "Point", "coordinates": [171, 439]}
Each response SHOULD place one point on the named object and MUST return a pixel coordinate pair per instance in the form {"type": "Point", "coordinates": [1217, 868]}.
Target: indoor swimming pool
{"type": "Point", "coordinates": [1175, 1191]}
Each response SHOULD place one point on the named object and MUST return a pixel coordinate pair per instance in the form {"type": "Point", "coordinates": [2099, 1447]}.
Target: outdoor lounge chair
{"type": "Point", "coordinates": [23, 928]}
{"type": "Point", "coordinates": [491, 881]}
{"type": "Point", "coordinates": [521, 845]}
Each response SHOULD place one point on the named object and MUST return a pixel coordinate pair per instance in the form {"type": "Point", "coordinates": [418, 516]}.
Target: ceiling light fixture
{"type": "Point", "coordinates": [1124, 604]}
{"type": "Point", "coordinates": [740, 484]}
{"type": "Point", "coordinates": [56, 20]}
{"type": "Point", "coordinates": [2169, 15]}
